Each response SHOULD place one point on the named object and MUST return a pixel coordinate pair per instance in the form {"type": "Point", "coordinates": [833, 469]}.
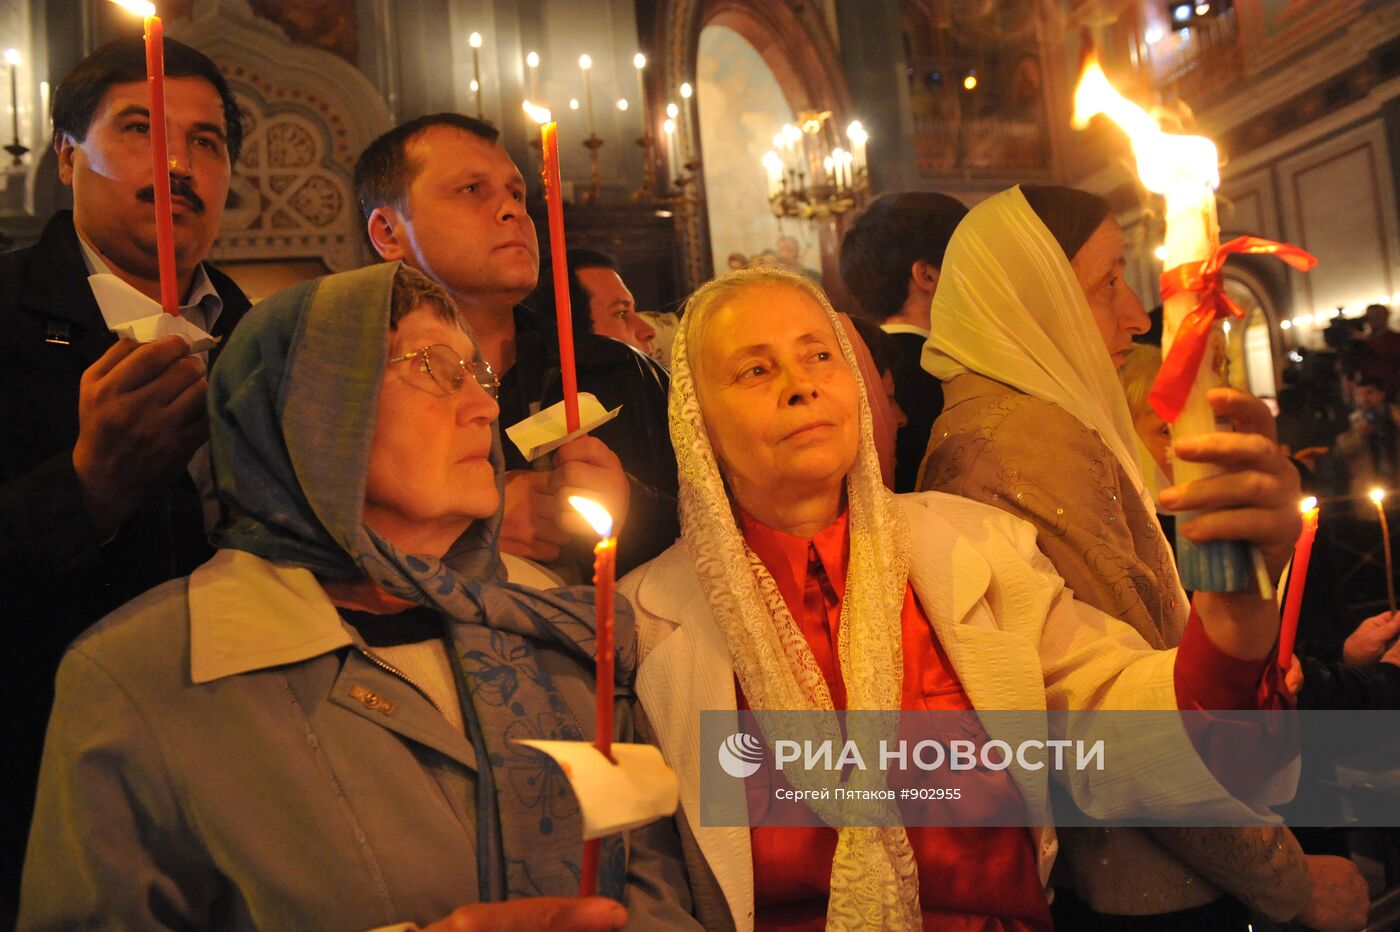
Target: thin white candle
{"type": "Point", "coordinates": [858, 137]}
{"type": "Point", "coordinates": [474, 40]}
{"type": "Point", "coordinates": [686, 93]}
{"type": "Point", "coordinates": [532, 62]}
{"type": "Point", "coordinates": [773, 162]}
{"type": "Point", "coordinates": [585, 64]}
{"type": "Point", "coordinates": [639, 63]}
{"type": "Point", "coordinates": [669, 129]}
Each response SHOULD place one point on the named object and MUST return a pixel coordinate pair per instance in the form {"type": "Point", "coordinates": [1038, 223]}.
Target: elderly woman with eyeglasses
{"type": "Point", "coordinates": [802, 584]}
{"type": "Point", "coordinates": [316, 729]}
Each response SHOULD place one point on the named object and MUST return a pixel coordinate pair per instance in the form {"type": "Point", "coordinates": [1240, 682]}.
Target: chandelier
{"type": "Point", "coordinates": [811, 176]}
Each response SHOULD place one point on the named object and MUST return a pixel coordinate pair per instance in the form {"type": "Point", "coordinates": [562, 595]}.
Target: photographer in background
{"type": "Point", "coordinates": [1370, 448]}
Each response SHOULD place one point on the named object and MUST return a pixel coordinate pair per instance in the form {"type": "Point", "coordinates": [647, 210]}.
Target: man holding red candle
{"type": "Point", "coordinates": [440, 193]}
{"type": "Point", "coordinates": [104, 489]}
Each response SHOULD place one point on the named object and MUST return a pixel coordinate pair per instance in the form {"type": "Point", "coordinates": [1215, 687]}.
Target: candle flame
{"type": "Point", "coordinates": [672, 110]}
{"type": "Point", "coordinates": [1165, 161]}
{"type": "Point", "coordinates": [622, 104]}
{"type": "Point", "coordinates": [856, 133]}
{"type": "Point", "coordinates": [585, 62]}
{"type": "Point", "coordinates": [773, 162]}
{"type": "Point", "coordinates": [687, 90]}
{"type": "Point", "coordinates": [474, 40]}
{"type": "Point", "coordinates": [594, 513]}
{"type": "Point", "coordinates": [1377, 495]}
{"type": "Point", "coordinates": [668, 126]}
{"type": "Point", "coordinates": [532, 60]}
{"type": "Point", "coordinates": [639, 61]}
{"type": "Point", "coordinates": [1307, 504]}
{"type": "Point", "coordinates": [573, 103]}
{"type": "Point", "coordinates": [139, 7]}
{"type": "Point", "coordinates": [12, 56]}
{"type": "Point", "coordinates": [537, 113]}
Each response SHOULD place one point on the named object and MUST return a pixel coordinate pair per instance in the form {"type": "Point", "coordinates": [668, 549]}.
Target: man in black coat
{"type": "Point", "coordinates": [442, 195]}
{"type": "Point", "coordinates": [890, 260]}
{"type": "Point", "coordinates": [105, 489]}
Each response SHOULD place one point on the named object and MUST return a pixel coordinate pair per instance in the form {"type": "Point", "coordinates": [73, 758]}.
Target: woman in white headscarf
{"type": "Point", "coordinates": [802, 583]}
{"type": "Point", "coordinates": [1030, 324]}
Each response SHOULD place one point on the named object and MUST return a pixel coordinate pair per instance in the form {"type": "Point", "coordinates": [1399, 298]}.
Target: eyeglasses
{"type": "Point", "coordinates": [449, 371]}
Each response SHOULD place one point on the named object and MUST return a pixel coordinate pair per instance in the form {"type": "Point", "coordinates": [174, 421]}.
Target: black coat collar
{"type": "Point", "coordinates": [55, 286]}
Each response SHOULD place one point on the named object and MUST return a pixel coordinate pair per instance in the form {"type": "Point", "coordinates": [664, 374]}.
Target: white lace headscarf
{"type": "Point", "coordinates": [1009, 307]}
{"type": "Point", "coordinates": [874, 881]}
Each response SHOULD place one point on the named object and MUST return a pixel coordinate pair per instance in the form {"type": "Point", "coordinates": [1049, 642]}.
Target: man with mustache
{"type": "Point", "coordinates": [441, 194]}
{"type": "Point", "coordinates": [105, 488]}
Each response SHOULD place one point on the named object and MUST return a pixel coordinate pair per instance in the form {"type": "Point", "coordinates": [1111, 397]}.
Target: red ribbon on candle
{"type": "Point", "coordinates": [558, 258]}
{"type": "Point", "coordinates": [1297, 579]}
{"type": "Point", "coordinates": [604, 578]}
{"type": "Point", "coordinates": [1183, 361]}
{"type": "Point", "coordinates": [160, 167]}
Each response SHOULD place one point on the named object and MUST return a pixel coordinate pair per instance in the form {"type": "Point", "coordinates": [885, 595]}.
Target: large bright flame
{"type": "Point", "coordinates": [537, 113]}
{"type": "Point", "coordinates": [139, 7]}
{"type": "Point", "coordinates": [594, 513]}
{"type": "Point", "coordinates": [1165, 161]}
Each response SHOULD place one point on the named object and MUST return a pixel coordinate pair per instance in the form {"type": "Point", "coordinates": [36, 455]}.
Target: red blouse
{"type": "Point", "coordinates": [969, 878]}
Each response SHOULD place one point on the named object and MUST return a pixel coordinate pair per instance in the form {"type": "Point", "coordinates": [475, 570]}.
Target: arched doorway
{"type": "Point", "coordinates": [794, 45]}
{"type": "Point", "coordinates": [741, 108]}
{"type": "Point", "coordinates": [1254, 360]}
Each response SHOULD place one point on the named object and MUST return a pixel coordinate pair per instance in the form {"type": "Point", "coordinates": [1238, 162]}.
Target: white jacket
{"type": "Point", "coordinates": [1015, 636]}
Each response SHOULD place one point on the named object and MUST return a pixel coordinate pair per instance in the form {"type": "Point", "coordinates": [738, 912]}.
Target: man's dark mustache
{"type": "Point", "coordinates": [178, 188]}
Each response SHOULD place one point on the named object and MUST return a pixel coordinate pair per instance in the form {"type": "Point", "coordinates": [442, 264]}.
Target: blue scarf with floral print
{"type": "Point", "coordinates": [292, 405]}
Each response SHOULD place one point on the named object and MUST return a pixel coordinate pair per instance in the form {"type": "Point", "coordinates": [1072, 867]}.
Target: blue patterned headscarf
{"type": "Point", "coordinates": [293, 403]}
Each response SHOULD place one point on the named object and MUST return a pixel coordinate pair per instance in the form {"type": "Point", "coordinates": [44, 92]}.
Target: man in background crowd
{"type": "Point", "coordinates": [105, 486]}
{"type": "Point", "coordinates": [442, 195]}
{"type": "Point", "coordinates": [890, 259]}
{"type": "Point", "coordinates": [600, 300]}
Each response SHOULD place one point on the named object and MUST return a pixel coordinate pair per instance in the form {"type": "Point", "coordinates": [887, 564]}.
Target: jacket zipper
{"type": "Point", "coordinates": [384, 665]}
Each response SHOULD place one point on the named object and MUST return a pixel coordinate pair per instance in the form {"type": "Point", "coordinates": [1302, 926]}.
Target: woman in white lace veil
{"type": "Point", "coordinates": [802, 583]}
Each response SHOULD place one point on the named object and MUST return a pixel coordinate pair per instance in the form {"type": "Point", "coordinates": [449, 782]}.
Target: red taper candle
{"type": "Point", "coordinates": [160, 166]}
{"type": "Point", "coordinates": [1297, 579]}
{"type": "Point", "coordinates": [554, 201]}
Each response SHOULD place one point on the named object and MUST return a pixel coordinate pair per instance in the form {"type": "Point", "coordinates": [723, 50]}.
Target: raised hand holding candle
{"type": "Point", "coordinates": [554, 201]}
{"type": "Point", "coordinates": [1297, 579]}
{"type": "Point", "coordinates": [604, 579]}
{"type": "Point", "coordinates": [160, 154]}
{"type": "Point", "coordinates": [1377, 497]}
{"type": "Point", "coordinates": [1185, 171]}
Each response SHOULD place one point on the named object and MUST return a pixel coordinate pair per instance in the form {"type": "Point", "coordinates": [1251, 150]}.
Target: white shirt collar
{"type": "Point", "coordinates": [202, 309]}
{"type": "Point", "coordinates": [905, 328]}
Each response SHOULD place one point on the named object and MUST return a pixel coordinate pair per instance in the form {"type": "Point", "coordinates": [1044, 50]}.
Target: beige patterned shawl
{"type": "Point", "coordinates": [874, 881]}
